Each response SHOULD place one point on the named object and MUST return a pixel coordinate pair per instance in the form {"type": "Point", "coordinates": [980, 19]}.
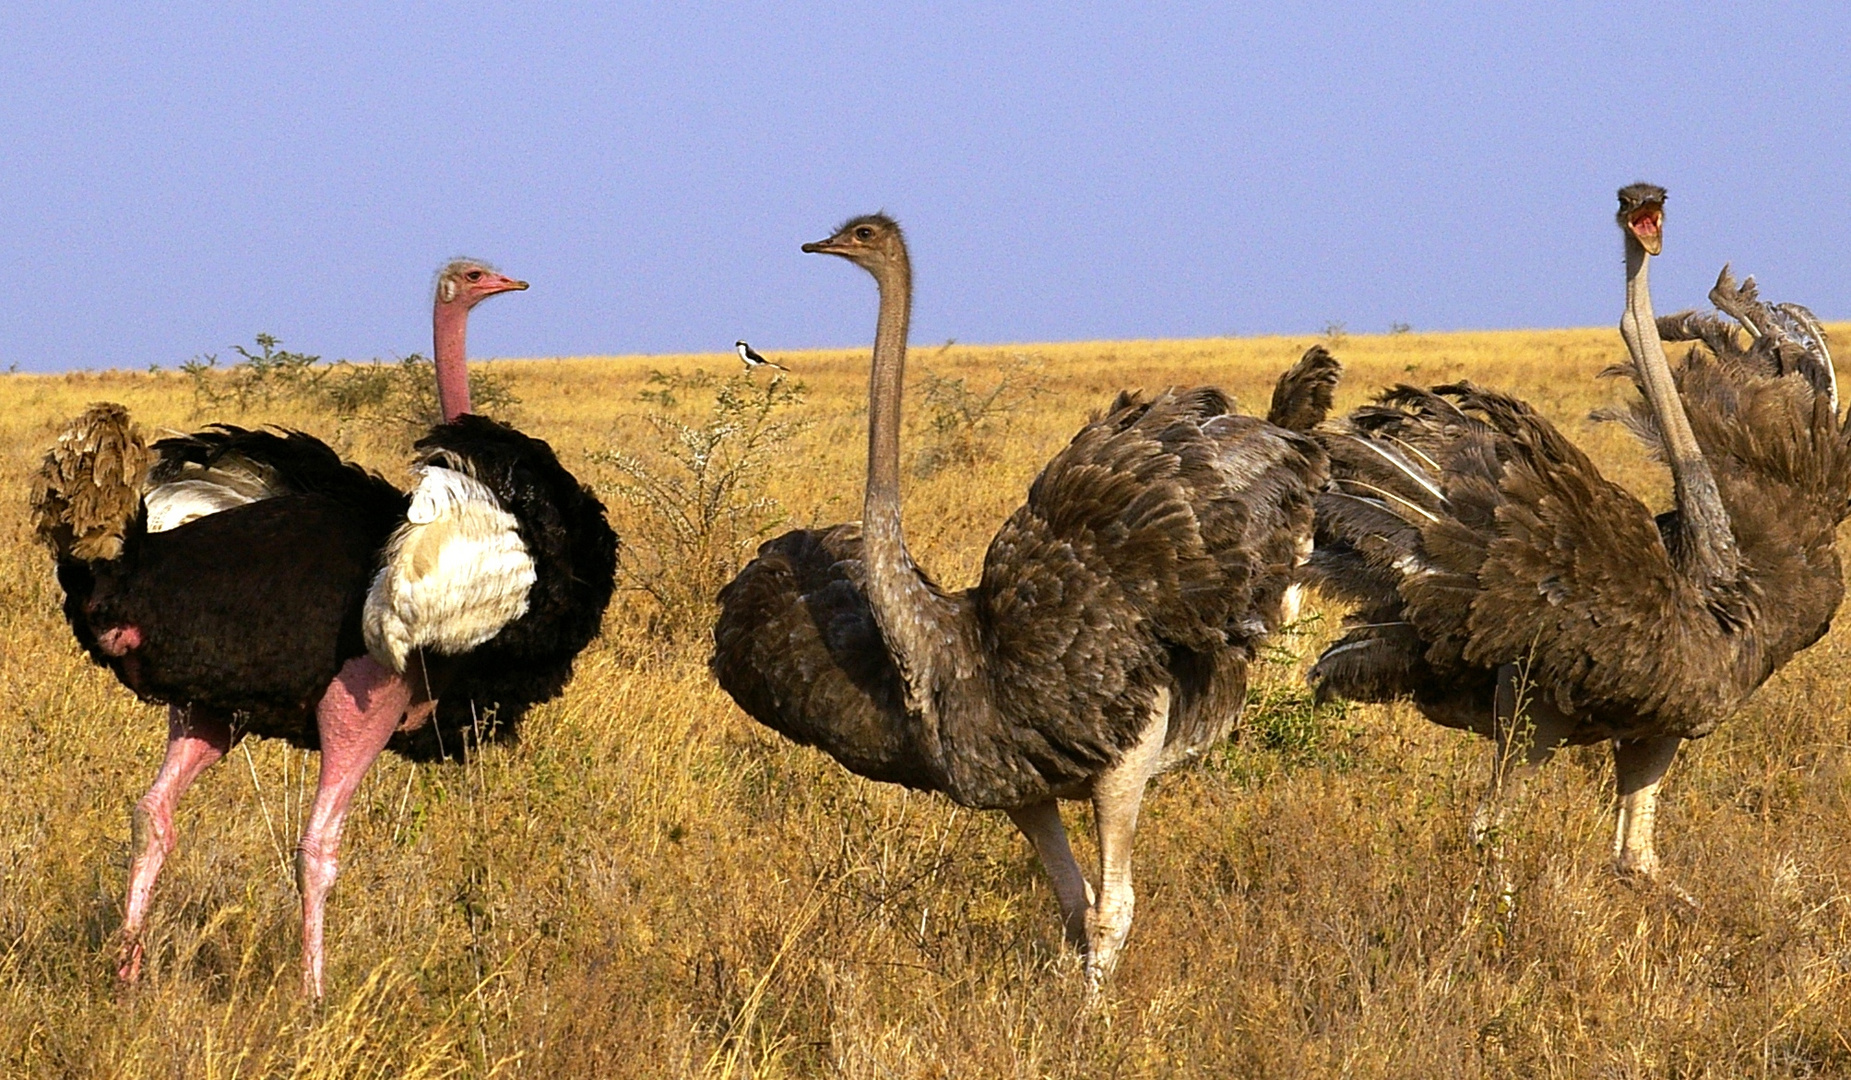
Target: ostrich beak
{"type": "Point", "coordinates": [1647, 224]}
{"type": "Point", "coordinates": [822, 247]}
{"type": "Point", "coordinates": [507, 285]}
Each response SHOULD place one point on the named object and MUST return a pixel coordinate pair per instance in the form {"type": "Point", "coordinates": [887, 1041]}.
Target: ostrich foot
{"type": "Point", "coordinates": [129, 951]}
{"type": "Point", "coordinates": [1639, 767]}
{"type": "Point", "coordinates": [1646, 875]}
{"type": "Point", "coordinates": [1107, 926]}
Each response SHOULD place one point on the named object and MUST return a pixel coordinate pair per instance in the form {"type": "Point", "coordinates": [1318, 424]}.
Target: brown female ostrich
{"type": "Point", "coordinates": [226, 574]}
{"type": "Point", "coordinates": [1108, 639]}
{"type": "Point", "coordinates": [1502, 577]}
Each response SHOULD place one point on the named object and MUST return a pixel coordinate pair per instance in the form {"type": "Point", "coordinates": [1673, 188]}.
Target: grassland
{"type": "Point", "coordinates": [651, 885]}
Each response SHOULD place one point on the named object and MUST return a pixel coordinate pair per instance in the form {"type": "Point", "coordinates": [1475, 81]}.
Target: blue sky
{"type": "Point", "coordinates": [176, 180]}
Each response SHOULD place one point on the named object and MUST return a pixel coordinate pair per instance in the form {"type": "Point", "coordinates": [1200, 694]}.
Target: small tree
{"type": "Point", "coordinates": [258, 379]}
{"type": "Point", "coordinates": [700, 497]}
{"type": "Point", "coordinates": [962, 421]}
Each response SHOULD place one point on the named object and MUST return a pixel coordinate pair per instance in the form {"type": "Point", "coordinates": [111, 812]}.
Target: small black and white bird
{"type": "Point", "coordinates": [753, 360]}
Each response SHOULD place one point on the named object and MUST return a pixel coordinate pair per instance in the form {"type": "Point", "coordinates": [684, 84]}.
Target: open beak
{"type": "Point", "coordinates": [1648, 227]}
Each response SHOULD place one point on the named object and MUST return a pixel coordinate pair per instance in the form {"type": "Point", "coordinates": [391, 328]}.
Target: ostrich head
{"type": "Point", "coordinates": [1642, 215]}
{"type": "Point", "coordinates": [872, 242]}
{"type": "Point", "coordinates": [468, 282]}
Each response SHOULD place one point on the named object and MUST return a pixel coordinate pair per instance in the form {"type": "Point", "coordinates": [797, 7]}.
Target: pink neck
{"type": "Point", "coordinates": [450, 323]}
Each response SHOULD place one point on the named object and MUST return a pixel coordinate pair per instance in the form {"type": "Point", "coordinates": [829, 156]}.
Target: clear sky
{"type": "Point", "coordinates": [177, 177]}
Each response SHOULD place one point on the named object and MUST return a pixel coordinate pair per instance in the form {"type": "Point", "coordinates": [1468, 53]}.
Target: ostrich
{"type": "Point", "coordinates": [227, 574]}
{"type": "Point", "coordinates": [1108, 638]}
{"type": "Point", "coordinates": [1503, 581]}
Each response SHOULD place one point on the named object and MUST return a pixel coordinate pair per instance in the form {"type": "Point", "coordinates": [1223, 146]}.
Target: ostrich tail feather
{"type": "Point", "coordinates": [87, 492]}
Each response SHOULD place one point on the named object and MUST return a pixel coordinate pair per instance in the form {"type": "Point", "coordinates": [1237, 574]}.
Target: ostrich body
{"type": "Point", "coordinates": [1504, 581]}
{"type": "Point", "coordinates": [234, 576]}
{"type": "Point", "coordinates": [1107, 640]}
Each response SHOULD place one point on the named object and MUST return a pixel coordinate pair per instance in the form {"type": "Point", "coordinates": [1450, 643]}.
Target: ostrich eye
{"type": "Point", "coordinates": [474, 275]}
{"type": "Point", "coordinates": [864, 233]}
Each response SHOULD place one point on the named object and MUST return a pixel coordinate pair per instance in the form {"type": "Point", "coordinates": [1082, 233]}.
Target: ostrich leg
{"type": "Point", "coordinates": [1528, 731]}
{"type": "Point", "coordinates": [196, 738]}
{"type": "Point", "coordinates": [356, 717]}
{"type": "Point", "coordinates": [1117, 794]}
{"type": "Point", "coordinates": [1639, 766]}
{"type": "Point", "coordinates": [1041, 823]}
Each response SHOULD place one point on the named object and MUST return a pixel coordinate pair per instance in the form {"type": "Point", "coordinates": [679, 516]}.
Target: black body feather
{"type": "Point", "coordinates": [253, 609]}
{"type": "Point", "coordinates": [485, 692]}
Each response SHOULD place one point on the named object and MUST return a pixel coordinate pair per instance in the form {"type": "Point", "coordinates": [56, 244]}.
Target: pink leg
{"type": "Point", "coordinates": [357, 715]}
{"type": "Point", "coordinates": [196, 738]}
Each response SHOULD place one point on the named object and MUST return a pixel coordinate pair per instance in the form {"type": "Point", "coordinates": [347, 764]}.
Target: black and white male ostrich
{"type": "Point", "coordinates": [240, 576]}
{"type": "Point", "coordinates": [1108, 638]}
{"type": "Point", "coordinates": [1494, 563]}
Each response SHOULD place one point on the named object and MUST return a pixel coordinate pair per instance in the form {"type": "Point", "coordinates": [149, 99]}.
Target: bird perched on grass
{"type": "Point", "coordinates": [752, 360]}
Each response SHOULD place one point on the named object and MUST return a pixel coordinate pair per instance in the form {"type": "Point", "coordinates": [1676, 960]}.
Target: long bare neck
{"type": "Point", "coordinates": [450, 326]}
{"type": "Point", "coordinates": [908, 613]}
{"type": "Point", "coordinates": [1707, 550]}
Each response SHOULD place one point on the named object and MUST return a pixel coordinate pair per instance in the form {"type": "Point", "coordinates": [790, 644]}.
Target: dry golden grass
{"type": "Point", "coordinates": [652, 885]}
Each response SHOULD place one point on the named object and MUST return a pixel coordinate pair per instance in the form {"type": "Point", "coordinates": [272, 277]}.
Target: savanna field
{"type": "Point", "coordinates": [650, 884]}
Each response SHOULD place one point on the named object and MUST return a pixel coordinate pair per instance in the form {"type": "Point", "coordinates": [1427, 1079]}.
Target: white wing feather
{"type": "Point", "coordinates": [453, 575]}
{"type": "Point", "coordinates": [200, 490]}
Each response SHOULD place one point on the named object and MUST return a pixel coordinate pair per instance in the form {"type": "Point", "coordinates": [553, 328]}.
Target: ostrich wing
{"type": "Point", "coordinates": [1165, 528]}
{"type": "Point", "coordinates": [1579, 589]}
{"type": "Point", "coordinates": [225, 466]}
{"type": "Point", "coordinates": [532, 562]}
{"type": "Point", "coordinates": [452, 575]}
{"type": "Point", "coordinates": [1526, 556]}
{"type": "Point", "coordinates": [796, 645]}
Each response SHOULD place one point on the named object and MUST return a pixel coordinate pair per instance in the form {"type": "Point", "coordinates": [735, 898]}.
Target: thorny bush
{"type": "Point", "coordinates": [699, 499]}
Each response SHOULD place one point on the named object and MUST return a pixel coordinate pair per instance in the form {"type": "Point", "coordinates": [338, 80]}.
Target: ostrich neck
{"type": "Point", "coordinates": [906, 610]}
{"type": "Point", "coordinates": [1708, 549]}
{"type": "Point", "coordinates": [450, 324]}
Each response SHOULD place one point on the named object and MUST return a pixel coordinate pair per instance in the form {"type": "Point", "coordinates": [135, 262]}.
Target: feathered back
{"type": "Point", "coordinates": [1170, 526]}
{"type": "Point", "coordinates": [87, 491]}
{"type": "Point", "coordinates": [1302, 396]}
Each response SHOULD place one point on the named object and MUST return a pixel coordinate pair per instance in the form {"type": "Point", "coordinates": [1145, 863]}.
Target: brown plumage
{"type": "Point", "coordinates": [1502, 578]}
{"type": "Point", "coordinates": [1784, 339]}
{"type": "Point", "coordinates": [88, 489]}
{"type": "Point", "coordinates": [1302, 396]}
{"type": "Point", "coordinates": [1108, 637]}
